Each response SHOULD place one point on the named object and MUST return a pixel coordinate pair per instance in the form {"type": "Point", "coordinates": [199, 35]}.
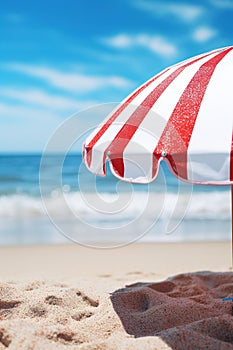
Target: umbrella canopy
{"type": "Point", "coordinates": [183, 115]}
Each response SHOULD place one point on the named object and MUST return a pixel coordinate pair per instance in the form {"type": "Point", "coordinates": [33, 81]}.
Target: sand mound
{"type": "Point", "coordinates": [186, 311]}
{"type": "Point", "coordinates": [183, 312]}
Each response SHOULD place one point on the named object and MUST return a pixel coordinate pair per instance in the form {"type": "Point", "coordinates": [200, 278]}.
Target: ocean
{"type": "Point", "coordinates": [58, 201]}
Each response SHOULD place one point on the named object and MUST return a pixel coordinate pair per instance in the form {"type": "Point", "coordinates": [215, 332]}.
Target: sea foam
{"type": "Point", "coordinates": [199, 206]}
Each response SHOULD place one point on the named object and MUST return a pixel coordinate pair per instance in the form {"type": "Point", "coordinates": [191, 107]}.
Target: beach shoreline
{"type": "Point", "coordinates": [69, 260]}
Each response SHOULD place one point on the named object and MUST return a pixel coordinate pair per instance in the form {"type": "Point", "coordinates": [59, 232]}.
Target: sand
{"type": "Point", "coordinates": [143, 296]}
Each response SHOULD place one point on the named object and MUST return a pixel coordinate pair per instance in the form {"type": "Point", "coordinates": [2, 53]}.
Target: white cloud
{"type": "Point", "coordinates": [43, 99]}
{"type": "Point", "coordinates": [203, 34]}
{"type": "Point", "coordinates": [26, 113]}
{"type": "Point", "coordinates": [154, 43]}
{"type": "Point", "coordinates": [222, 3]}
{"type": "Point", "coordinates": [157, 44]}
{"type": "Point", "coordinates": [69, 81]}
{"type": "Point", "coordinates": [185, 12]}
{"type": "Point", "coordinates": [121, 41]}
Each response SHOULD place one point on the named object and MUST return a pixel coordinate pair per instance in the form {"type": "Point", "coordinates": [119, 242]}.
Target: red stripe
{"type": "Point", "coordinates": [123, 137]}
{"type": "Point", "coordinates": [115, 115]}
{"type": "Point", "coordinates": [178, 131]}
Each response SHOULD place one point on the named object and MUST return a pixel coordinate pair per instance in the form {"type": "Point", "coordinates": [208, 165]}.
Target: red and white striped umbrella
{"type": "Point", "coordinates": [183, 115]}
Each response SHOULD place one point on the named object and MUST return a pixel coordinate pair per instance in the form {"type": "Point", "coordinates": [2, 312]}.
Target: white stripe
{"type": "Point", "coordinates": [150, 130]}
{"type": "Point", "coordinates": [108, 136]}
{"type": "Point", "coordinates": [166, 103]}
{"type": "Point", "coordinates": [210, 144]}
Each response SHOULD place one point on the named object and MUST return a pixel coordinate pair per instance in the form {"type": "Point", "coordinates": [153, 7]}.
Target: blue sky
{"type": "Point", "coordinates": [60, 57]}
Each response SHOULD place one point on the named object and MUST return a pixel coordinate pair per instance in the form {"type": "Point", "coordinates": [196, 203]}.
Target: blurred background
{"type": "Point", "coordinates": [59, 58]}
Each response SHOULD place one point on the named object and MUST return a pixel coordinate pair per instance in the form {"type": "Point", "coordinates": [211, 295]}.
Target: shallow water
{"type": "Point", "coordinates": [90, 209]}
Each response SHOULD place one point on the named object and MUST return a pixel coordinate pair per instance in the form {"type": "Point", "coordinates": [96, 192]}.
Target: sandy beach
{"type": "Point", "coordinates": [142, 296]}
